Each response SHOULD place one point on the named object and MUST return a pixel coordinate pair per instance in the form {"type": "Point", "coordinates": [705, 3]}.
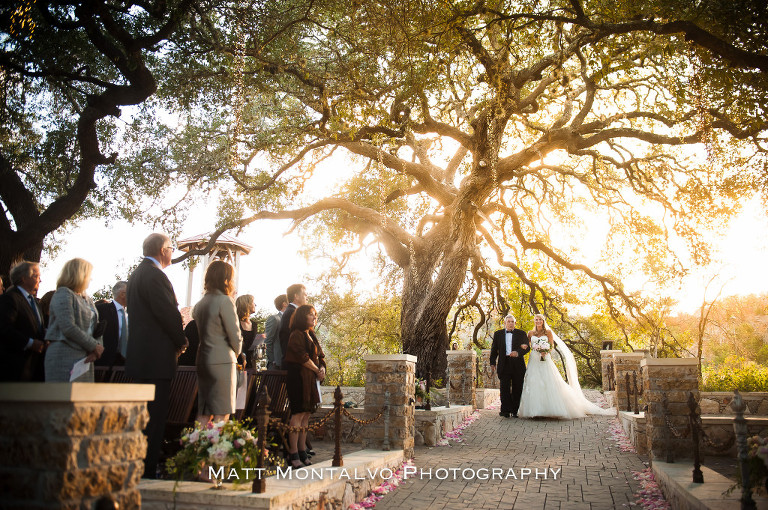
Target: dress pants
{"type": "Point", "coordinates": [510, 391]}
{"type": "Point", "coordinates": [158, 415]}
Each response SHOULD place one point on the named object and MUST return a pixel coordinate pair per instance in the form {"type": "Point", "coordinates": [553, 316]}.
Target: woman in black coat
{"type": "Point", "coordinates": [305, 362]}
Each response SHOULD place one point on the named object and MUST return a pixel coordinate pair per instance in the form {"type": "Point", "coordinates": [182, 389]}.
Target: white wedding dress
{"type": "Point", "coordinates": [546, 394]}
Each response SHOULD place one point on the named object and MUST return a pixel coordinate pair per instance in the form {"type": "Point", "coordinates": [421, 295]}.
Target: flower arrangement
{"type": "Point", "coordinates": [757, 458]}
{"type": "Point", "coordinates": [229, 444]}
{"type": "Point", "coordinates": [421, 391]}
{"type": "Point", "coordinates": [541, 345]}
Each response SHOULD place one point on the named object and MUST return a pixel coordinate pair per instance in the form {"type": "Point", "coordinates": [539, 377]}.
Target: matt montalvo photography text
{"type": "Point", "coordinates": [409, 472]}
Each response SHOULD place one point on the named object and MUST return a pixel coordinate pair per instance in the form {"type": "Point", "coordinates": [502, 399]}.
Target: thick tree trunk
{"type": "Point", "coordinates": [431, 286]}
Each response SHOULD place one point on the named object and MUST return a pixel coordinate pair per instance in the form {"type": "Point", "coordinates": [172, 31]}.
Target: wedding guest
{"type": "Point", "coordinates": [188, 358]}
{"type": "Point", "coordinates": [245, 306]}
{"type": "Point", "coordinates": [72, 330]}
{"type": "Point", "coordinates": [22, 331]}
{"type": "Point", "coordinates": [272, 332]}
{"type": "Point", "coordinates": [155, 338]}
{"type": "Point", "coordinates": [220, 344]}
{"type": "Point", "coordinates": [297, 296]}
{"type": "Point", "coordinates": [45, 306]}
{"type": "Point", "coordinates": [115, 338]}
{"type": "Point", "coordinates": [305, 362]}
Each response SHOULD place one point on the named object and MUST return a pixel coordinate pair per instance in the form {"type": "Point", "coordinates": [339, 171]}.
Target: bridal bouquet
{"type": "Point", "coordinates": [541, 345]}
{"type": "Point", "coordinates": [229, 444]}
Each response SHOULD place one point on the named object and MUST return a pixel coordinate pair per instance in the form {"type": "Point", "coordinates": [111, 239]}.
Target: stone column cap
{"type": "Point", "coordinates": [670, 362]}
{"type": "Point", "coordinates": [629, 355]}
{"type": "Point", "coordinates": [76, 392]}
{"type": "Point", "coordinates": [467, 351]}
{"type": "Point", "coordinates": [609, 351]}
{"type": "Point", "coordinates": [390, 357]}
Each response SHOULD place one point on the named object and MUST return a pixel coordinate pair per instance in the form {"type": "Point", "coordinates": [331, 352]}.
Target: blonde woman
{"type": "Point", "coordinates": [72, 322]}
{"type": "Point", "coordinates": [220, 344]}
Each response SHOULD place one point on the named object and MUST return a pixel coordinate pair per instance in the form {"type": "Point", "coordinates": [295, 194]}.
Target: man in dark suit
{"type": "Point", "coordinates": [22, 330]}
{"type": "Point", "coordinates": [297, 296]}
{"type": "Point", "coordinates": [272, 331]}
{"type": "Point", "coordinates": [116, 333]}
{"type": "Point", "coordinates": [509, 346]}
{"type": "Point", "coordinates": [155, 338]}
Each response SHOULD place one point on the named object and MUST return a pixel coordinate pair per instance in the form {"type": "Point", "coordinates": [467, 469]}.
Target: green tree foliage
{"type": "Point", "coordinates": [67, 69]}
{"type": "Point", "coordinates": [351, 327]}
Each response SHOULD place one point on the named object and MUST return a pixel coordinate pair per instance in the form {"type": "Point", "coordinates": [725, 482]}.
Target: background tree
{"type": "Point", "coordinates": [67, 69]}
{"type": "Point", "coordinates": [477, 135]}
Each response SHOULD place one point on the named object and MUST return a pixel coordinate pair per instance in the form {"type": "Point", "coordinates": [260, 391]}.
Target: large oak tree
{"type": "Point", "coordinates": [473, 134]}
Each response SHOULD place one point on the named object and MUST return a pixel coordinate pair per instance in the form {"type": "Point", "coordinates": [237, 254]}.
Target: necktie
{"type": "Point", "coordinates": [34, 310]}
{"type": "Point", "coordinates": [122, 343]}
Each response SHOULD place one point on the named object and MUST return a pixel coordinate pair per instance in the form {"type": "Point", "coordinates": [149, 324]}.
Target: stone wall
{"type": "Point", "coordinates": [719, 402]}
{"type": "Point", "coordinates": [395, 374]}
{"type": "Point", "coordinates": [67, 445]}
{"type": "Point", "coordinates": [490, 380]}
{"type": "Point", "coordinates": [354, 394]}
{"type": "Point", "coordinates": [674, 378]}
{"type": "Point", "coordinates": [462, 377]}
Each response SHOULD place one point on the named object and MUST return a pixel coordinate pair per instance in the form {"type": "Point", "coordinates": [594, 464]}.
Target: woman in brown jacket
{"type": "Point", "coordinates": [305, 362]}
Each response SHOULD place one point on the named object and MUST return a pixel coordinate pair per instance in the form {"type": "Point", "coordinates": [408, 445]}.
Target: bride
{"type": "Point", "coordinates": [545, 393]}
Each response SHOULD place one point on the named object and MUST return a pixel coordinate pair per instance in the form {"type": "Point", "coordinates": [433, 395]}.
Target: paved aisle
{"type": "Point", "coordinates": [594, 474]}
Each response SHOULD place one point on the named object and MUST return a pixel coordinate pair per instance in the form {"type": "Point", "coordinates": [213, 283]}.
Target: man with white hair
{"type": "Point", "coordinates": [509, 346]}
{"type": "Point", "coordinates": [22, 328]}
{"type": "Point", "coordinates": [155, 338]}
{"type": "Point", "coordinates": [116, 333]}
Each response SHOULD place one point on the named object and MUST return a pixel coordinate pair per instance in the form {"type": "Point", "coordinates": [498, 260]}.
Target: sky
{"type": "Point", "coordinates": [275, 262]}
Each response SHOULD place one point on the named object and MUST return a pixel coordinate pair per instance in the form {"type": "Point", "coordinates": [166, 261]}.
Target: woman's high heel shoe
{"type": "Point", "coordinates": [295, 461]}
{"type": "Point", "coordinates": [304, 458]}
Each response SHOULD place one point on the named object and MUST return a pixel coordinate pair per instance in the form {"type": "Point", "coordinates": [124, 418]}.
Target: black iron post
{"type": "Point", "coordinates": [698, 476]}
{"type": "Point", "coordinates": [627, 387]}
{"type": "Point", "coordinates": [337, 396]}
{"type": "Point", "coordinates": [259, 485]}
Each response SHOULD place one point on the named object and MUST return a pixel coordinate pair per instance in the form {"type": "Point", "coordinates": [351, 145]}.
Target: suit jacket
{"type": "Point", "coordinates": [507, 365]}
{"type": "Point", "coordinates": [272, 332]}
{"type": "Point", "coordinates": [70, 319]}
{"type": "Point", "coordinates": [17, 325]}
{"type": "Point", "coordinates": [156, 332]}
{"type": "Point", "coordinates": [219, 329]}
{"type": "Point", "coordinates": [111, 355]}
{"type": "Point", "coordinates": [285, 329]}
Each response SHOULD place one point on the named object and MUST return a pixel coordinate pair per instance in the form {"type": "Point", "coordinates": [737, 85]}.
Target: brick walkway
{"type": "Point", "coordinates": [594, 474]}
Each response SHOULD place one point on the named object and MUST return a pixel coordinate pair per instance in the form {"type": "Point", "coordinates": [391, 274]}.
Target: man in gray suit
{"type": "Point", "coordinates": [155, 338]}
{"type": "Point", "coordinates": [272, 331]}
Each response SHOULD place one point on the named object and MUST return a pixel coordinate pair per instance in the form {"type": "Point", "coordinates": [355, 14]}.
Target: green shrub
{"type": "Point", "coordinates": [735, 373]}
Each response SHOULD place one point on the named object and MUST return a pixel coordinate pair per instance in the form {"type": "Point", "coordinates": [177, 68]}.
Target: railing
{"type": "Point", "coordinates": [263, 421]}
{"type": "Point", "coordinates": [634, 391]}
{"type": "Point", "coordinates": [697, 433]}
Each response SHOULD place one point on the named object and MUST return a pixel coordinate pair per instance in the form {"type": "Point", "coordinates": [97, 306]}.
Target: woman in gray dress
{"type": "Point", "coordinates": [220, 343]}
{"type": "Point", "coordinates": [71, 324]}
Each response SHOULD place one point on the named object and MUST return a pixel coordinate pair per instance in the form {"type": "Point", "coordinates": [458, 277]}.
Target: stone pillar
{"type": "Point", "coordinates": [625, 363]}
{"type": "Point", "coordinates": [673, 377]}
{"type": "Point", "coordinates": [68, 445]}
{"type": "Point", "coordinates": [606, 363]}
{"type": "Point", "coordinates": [490, 380]}
{"type": "Point", "coordinates": [395, 373]}
{"type": "Point", "coordinates": [462, 377]}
